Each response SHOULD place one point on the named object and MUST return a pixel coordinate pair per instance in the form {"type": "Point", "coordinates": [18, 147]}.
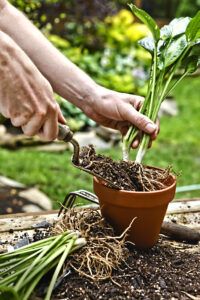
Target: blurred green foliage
{"type": "Point", "coordinates": [187, 8]}
{"type": "Point", "coordinates": [101, 38]}
{"type": "Point", "coordinates": [76, 119]}
{"type": "Point", "coordinates": [114, 63]}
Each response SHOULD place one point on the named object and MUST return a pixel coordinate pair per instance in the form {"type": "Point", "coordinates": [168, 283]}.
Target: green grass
{"type": "Point", "coordinates": [178, 145]}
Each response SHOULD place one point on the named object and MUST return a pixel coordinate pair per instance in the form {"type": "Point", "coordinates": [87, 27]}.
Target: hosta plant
{"type": "Point", "coordinates": [174, 50]}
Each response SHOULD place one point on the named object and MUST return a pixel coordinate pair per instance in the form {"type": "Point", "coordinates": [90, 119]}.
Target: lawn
{"type": "Point", "coordinates": [178, 145]}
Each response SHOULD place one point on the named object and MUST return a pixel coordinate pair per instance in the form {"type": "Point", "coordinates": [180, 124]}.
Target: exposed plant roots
{"type": "Point", "coordinates": [127, 175]}
{"type": "Point", "coordinates": [103, 251]}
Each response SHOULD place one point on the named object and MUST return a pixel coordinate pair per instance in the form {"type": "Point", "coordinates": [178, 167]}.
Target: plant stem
{"type": "Point", "coordinates": [58, 268]}
{"type": "Point", "coordinates": [133, 131]}
{"type": "Point", "coordinates": [145, 138]}
{"type": "Point", "coordinates": [30, 268]}
{"type": "Point", "coordinates": [8, 280]}
{"type": "Point", "coordinates": [58, 242]}
{"type": "Point", "coordinates": [19, 263]}
{"type": "Point", "coordinates": [142, 149]}
{"type": "Point", "coordinates": [159, 95]}
{"type": "Point", "coordinates": [175, 84]}
{"type": "Point", "coordinates": [152, 87]}
{"type": "Point", "coordinates": [35, 281]}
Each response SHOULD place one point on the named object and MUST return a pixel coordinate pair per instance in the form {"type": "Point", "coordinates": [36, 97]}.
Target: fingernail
{"type": "Point", "coordinates": [150, 127]}
{"type": "Point", "coordinates": [135, 144]}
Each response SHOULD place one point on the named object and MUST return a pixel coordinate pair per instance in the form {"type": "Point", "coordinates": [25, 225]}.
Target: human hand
{"type": "Point", "coordinates": [26, 97]}
{"type": "Point", "coordinates": [119, 111]}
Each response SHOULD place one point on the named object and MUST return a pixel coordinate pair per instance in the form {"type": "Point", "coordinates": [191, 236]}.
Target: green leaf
{"type": "Point", "coordinates": [8, 293]}
{"type": "Point", "coordinates": [192, 63]}
{"type": "Point", "coordinates": [148, 44]}
{"type": "Point", "coordinates": [193, 28]}
{"type": "Point", "coordinates": [174, 28]}
{"type": "Point", "coordinates": [147, 20]}
{"type": "Point", "coordinates": [174, 50]}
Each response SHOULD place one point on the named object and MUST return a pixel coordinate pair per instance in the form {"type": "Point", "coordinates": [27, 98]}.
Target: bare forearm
{"type": "Point", "coordinates": [65, 77]}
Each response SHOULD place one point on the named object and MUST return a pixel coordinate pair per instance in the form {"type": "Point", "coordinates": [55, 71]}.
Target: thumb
{"type": "Point", "coordinates": [141, 121]}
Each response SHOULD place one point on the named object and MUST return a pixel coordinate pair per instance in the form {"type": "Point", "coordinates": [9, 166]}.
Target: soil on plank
{"type": "Point", "coordinates": [126, 175]}
{"type": "Point", "coordinates": [164, 272]}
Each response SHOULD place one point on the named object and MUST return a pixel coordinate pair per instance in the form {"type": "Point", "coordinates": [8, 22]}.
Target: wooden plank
{"type": "Point", "coordinates": [183, 207]}
{"type": "Point", "coordinates": [191, 219]}
{"type": "Point", "coordinates": [186, 199]}
{"type": "Point", "coordinates": [15, 227]}
{"type": "Point", "coordinates": [17, 224]}
{"type": "Point", "coordinates": [33, 214]}
{"type": "Point", "coordinates": [25, 221]}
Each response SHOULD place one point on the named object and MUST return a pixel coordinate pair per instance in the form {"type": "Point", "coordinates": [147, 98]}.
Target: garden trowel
{"type": "Point", "coordinates": [65, 134]}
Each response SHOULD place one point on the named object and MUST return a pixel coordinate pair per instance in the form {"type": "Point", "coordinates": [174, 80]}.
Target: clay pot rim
{"type": "Point", "coordinates": [99, 181]}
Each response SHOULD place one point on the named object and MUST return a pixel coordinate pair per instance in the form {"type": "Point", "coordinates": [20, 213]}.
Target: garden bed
{"type": "Point", "coordinates": [170, 270]}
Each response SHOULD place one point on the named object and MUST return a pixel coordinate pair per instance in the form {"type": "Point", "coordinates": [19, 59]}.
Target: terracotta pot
{"type": "Point", "coordinates": [119, 207]}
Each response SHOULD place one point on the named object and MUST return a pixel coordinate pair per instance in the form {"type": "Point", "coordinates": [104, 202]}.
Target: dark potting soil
{"type": "Point", "coordinates": [167, 271]}
{"type": "Point", "coordinates": [126, 175]}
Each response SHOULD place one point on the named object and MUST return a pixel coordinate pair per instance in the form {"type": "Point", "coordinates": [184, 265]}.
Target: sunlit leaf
{"type": "Point", "coordinates": [193, 28]}
{"type": "Point", "coordinates": [148, 44]}
{"type": "Point", "coordinates": [147, 20]}
{"type": "Point", "coordinates": [174, 28]}
{"type": "Point", "coordinates": [174, 50]}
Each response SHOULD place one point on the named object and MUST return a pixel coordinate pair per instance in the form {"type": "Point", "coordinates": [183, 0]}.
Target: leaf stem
{"type": "Point", "coordinates": [58, 268]}
{"type": "Point", "coordinates": [152, 88]}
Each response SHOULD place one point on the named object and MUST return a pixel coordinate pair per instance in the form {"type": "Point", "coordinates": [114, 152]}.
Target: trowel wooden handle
{"type": "Point", "coordinates": [180, 232]}
{"type": "Point", "coordinates": [64, 134]}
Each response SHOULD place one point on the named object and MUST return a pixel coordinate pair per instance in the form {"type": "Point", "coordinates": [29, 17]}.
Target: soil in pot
{"type": "Point", "coordinates": [127, 175]}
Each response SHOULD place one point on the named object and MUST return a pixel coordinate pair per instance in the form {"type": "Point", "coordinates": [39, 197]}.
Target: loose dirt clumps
{"type": "Point", "coordinates": [127, 175]}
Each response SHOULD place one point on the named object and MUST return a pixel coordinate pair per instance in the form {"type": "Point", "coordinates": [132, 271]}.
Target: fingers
{"type": "Point", "coordinates": [138, 138]}
{"type": "Point", "coordinates": [135, 143]}
{"type": "Point", "coordinates": [49, 131]}
{"type": "Point", "coordinates": [129, 111]}
{"type": "Point", "coordinates": [156, 132]}
{"type": "Point", "coordinates": [33, 126]}
{"type": "Point", "coordinates": [20, 119]}
{"type": "Point", "coordinates": [43, 123]}
{"type": "Point", "coordinates": [136, 101]}
{"type": "Point", "coordinates": [141, 121]}
{"type": "Point", "coordinates": [153, 137]}
{"type": "Point", "coordinates": [61, 118]}
{"type": "Point", "coordinates": [26, 97]}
